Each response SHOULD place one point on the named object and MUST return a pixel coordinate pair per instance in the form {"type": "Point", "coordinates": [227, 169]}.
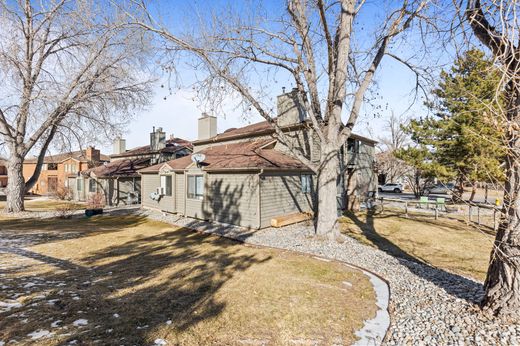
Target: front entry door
{"type": "Point", "coordinates": [52, 183]}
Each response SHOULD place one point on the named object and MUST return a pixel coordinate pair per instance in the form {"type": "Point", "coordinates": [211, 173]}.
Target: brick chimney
{"type": "Point", "coordinates": [93, 154]}
{"type": "Point", "coordinates": [207, 126]}
{"type": "Point", "coordinates": [290, 109]}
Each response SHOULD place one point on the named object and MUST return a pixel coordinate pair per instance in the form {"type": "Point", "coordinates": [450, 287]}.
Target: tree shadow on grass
{"type": "Point", "coordinates": [455, 285]}
{"type": "Point", "coordinates": [33, 231]}
{"type": "Point", "coordinates": [173, 275]}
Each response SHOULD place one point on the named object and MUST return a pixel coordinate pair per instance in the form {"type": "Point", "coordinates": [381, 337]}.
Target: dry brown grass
{"type": "Point", "coordinates": [213, 290]}
{"type": "Point", "coordinates": [39, 204]}
{"type": "Point", "coordinates": [444, 243]}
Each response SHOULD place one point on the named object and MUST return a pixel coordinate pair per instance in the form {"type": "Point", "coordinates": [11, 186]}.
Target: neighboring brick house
{"type": "Point", "coordinates": [3, 173]}
{"type": "Point", "coordinates": [118, 180]}
{"type": "Point", "coordinates": [62, 170]}
{"type": "Point", "coordinates": [246, 177]}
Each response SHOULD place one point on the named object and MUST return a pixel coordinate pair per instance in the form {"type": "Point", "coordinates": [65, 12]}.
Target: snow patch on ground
{"type": "Point", "coordinates": [8, 305]}
{"type": "Point", "coordinates": [41, 333]}
{"type": "Point", "coordinates": [55, 324]}
{"type": "Point", "coordinates": [80, 322]}
{"type": "Point", "coordinates": [161, 342]}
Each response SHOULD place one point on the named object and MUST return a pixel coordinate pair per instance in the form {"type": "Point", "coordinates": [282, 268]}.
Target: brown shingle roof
{"type": "Point", "coordinates": [78, 155]}
{"type": "Point", "coordinates": [257, 129]}
{"type": "Point", "coordinates": [180, 163]}
{"type": "Point", "coordinates": [243, 155]}
{"type": "Point", "coordinates": [172, 145]}
{"type": "Point", "coordinates": [119, 168]}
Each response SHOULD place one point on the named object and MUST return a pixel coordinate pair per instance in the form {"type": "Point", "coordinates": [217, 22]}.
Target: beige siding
{"type": "Point", "coordinates": [280, 195]}
{"type": "Point", "coordinates": [361, 179]}
{"type": "Point", "coordinates": [194, 207]}
{"type": "Point", "coordinates": [180, 193]}
{"type": "Point", "coordinates": [149, 184]}
{"type": "Point", "coordinates": [367, 179]}
{"type": "Point", "coordinates": [232, 198]}
{"type": "Point", "coordinates": [298, 140]}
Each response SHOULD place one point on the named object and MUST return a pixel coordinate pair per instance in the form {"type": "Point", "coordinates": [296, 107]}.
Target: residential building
{"type": "Point", "coordinates": [3, 173]}
{"type": "Point", "coordinates": [118, 179]}
{"type": "Point", "coordinates": [62, 170]}
{"type": "Point", "coordinates": [246, 177]}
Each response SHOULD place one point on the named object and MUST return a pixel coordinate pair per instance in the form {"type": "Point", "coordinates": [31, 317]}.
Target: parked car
{"type": "Point", "coordinates": [442, 189]}
{"type": "Point", "coordinates": [391, 187]}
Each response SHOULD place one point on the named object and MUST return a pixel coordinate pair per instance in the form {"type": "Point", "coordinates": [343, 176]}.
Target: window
{"type": "Point", "coordinates": [79, 184]}
{"type": "Point", "coordinates": [166, 184]}
{"type": "Point", "coordinates": [306, 183]}
{"type": "Point", "coordinates": [52, 166]}
{"type": "Point", "coordinates": [91, 185]}
{"type": "Point", "coordinates": [352, 146]}
{"type": "Point", "coordinates": [195, 186]}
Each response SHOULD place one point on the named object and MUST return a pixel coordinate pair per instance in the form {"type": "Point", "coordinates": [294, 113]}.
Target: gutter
{"type": "Point", "coordinates": [259, 204]}
{"type": "Point", "coordinates": [253, 169]}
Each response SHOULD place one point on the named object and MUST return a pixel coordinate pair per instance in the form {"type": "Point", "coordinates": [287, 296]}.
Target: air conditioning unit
{"type": "Point", "coordinates": [160, 191]}
{"type": "Point", "coordinates": [154, 196]}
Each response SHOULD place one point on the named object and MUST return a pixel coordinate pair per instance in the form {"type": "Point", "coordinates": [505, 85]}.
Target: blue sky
{"type": "Point", "coordinates": [178, 113]}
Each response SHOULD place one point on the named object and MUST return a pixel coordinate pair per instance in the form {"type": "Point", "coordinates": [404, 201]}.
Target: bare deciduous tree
{"type": "Point", "coordinates": [318, 46]}
{"type": "Point", "coordinates": [395, 138]}
{"type": "Point", "coordinates": [67, 66]}
{"type": "Point", "coordinates": [496, 25]}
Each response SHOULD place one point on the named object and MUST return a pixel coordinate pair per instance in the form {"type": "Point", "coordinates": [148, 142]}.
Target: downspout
{"type": "Point", "coordinates": [174, 191]}
{"type": "Point", "coordinates": [184, 192]}
{"type": "Point", "coordinates": [259, 204]}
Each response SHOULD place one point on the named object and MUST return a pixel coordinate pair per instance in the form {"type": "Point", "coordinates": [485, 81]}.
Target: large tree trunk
{"type": "Point", "coordinates": [15, 185]}
{"type": "Point", "coordinates": [326, 223]}
{"type": "Point", "coordinates": [502, 283]}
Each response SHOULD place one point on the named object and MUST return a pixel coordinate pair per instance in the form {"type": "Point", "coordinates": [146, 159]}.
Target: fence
{"type": "Point", "coordinates": [438, 208]}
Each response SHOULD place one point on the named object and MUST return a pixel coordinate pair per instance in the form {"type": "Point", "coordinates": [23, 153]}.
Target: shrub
{"type": "Point", "coordinates": [65, 211]}
{"type": "Point", "coordinates": [64, 193]}
{"type": "Point", "coordinates": [96, 201]}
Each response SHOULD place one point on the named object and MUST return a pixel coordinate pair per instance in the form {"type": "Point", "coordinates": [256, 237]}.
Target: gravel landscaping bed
{"type": "Point", "coordinates": [427, 305]}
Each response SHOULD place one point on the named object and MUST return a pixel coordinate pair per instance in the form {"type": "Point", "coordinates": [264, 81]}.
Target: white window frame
{"type": "Point", "coordinates": [195, 177]}
{"type": "Point", "coordinates": [90, 181]}
{"type": "Point", "coordinates": [79, 184]}
{"type": "Point", "coordinates": [306, 183]}
{"type": "Point", "coordinates": [164, 185]}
